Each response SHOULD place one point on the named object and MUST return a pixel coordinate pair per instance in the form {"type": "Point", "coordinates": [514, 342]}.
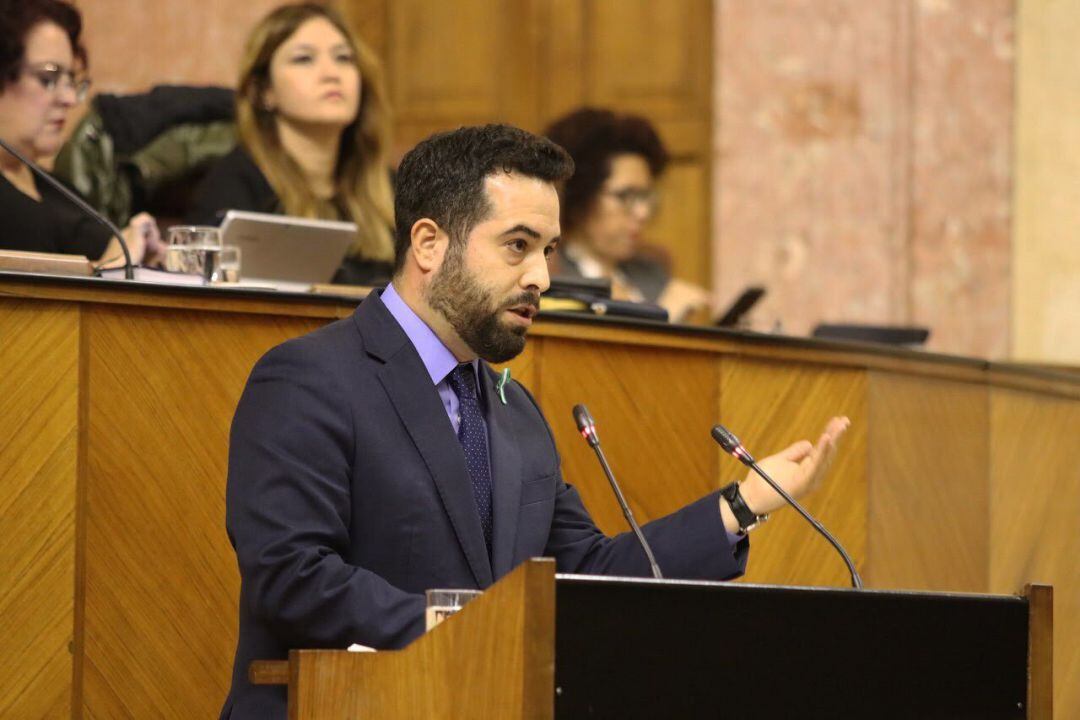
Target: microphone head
{"type": "Point", "coordinates": [725, 438]}
{"type": "Point", "coordinates": [731, 444]}
{"type": "Point", "coordinates": [582, 417]}
{"type": "Point", "coordinates": [585, 425]}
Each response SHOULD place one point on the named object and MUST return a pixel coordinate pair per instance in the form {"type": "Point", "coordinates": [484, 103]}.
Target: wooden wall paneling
{"type": "Point", "coordinates": [161, 580]}
{"type": "Point", "coordinates": [771, 405]}
{"type": "Point", "coordinates": [653, 408]}
{"type": "Point", "coordinates": [655, 59]}
{"type": "Point", "coordinates": [460, 63]}
{"type": "Point", "coordinates": [681, 226]}
{"type": "Point", "coordinates": [929, 496]}
{"type": "Point", "coordinates": [39, 409]}
{"type": "Point", "coordinates": [561, 50]}
{"type": "Point", "coordinates": [652, 58]}
{"type": "Point", "coordinates": [369, 19]}
{"type": "Point", "coordinates": [1034, 507]}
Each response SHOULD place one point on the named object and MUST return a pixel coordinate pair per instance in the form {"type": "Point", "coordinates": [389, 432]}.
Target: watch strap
{"type": "Point", "coordinates": [744, 516]}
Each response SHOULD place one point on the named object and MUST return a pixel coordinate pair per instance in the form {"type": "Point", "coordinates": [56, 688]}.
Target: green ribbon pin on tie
{"type": "Point", "coordinates": [501, 385]}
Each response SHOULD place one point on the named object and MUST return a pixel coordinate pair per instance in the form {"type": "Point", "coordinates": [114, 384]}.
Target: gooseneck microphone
{"type": "Point", "coordinates": [731, 445]}
{"type": "Point", "coordinates": [587, 428]}
{"type": "Point", "coordinates": [129, 268]}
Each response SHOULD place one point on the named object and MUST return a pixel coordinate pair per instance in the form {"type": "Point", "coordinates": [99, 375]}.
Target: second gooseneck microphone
{"type": "Point", "coordinates": [587, 428]}
{"type": "Point", "coordinates": [731, 445]}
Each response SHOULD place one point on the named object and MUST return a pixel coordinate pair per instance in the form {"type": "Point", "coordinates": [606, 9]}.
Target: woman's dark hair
{"type": "Point", "coordinates": [18, 18]}
{"type": "Point", "coordinates": [593, 137]}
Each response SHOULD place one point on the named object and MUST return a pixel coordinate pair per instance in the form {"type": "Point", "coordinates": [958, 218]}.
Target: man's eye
{"type": "Point", "coordinates": [519, 245]}
{"type": "Point", "coordinates": [549, 251]}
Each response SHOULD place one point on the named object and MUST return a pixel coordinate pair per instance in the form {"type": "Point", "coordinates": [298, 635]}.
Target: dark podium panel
{"type": "Point", "coordinates": [537, 646]}
{"type": "Point", "coordinates": [653, 649]}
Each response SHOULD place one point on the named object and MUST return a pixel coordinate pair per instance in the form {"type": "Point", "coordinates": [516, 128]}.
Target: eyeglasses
{"type": "Point", "coordinates": [633, 198]}
{"type": "Point", "coordinates": [53, 77]}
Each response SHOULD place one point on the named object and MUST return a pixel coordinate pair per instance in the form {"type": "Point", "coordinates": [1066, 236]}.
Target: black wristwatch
{"type": "Point", "coordinates": [744, 516]}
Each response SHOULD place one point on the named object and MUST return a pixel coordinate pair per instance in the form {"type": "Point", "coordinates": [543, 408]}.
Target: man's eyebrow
{"type": "Point", "coordinates": [523, 229]}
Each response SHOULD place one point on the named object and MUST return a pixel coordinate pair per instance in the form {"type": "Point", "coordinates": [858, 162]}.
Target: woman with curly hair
{"type": "Point", "coordinates": [607, 203]}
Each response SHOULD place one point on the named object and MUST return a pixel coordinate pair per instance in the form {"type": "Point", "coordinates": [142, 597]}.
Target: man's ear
{"type": "Point", "coordinates": [427, 244]}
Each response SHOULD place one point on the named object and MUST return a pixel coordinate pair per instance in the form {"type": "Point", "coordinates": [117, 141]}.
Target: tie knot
{"type": "Point", "coordinates": [463, 381]}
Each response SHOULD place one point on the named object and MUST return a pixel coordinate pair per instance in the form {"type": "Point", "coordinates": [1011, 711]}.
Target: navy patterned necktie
{"type": "Point", "coordinates": [473, 436]}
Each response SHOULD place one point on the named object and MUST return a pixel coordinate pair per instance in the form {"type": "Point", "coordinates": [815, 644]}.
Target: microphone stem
{"type": "Point", "coordinates": [129, 271]}
{"type": "Point", "coordinates": [626, 511]}
{"type": "Point", "coordinates": [856, 581]}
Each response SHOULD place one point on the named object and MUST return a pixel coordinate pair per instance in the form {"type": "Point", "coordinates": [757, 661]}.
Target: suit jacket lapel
{"type": "Point", "coordinates": [417, 404]}
{"type": "Point", "coordinates": [505, 474]}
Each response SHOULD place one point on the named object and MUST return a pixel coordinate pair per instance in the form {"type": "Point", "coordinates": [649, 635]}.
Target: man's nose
{"type": "Point", "coordinates": [537, 276]}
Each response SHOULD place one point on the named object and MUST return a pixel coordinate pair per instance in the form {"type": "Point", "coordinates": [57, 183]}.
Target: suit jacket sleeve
{"type": "Point", "coordinates": [690, 544]}
{"type": "Point", "coordinates": [288, 504]}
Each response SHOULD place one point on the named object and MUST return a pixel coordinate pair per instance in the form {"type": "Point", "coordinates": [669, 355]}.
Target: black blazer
{"type": "Point", "coordinates": [348, 496]}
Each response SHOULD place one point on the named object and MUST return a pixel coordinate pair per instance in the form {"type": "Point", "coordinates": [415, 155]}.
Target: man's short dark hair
{"type": "Point", "coordinates": [19, 17]}
{"type": "Point", "coordinates": [442, 178]}
{"type": "Point", "coordinates": [593, 137]}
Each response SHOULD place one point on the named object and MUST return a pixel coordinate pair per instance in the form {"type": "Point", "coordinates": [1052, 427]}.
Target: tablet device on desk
{"type": "Point", "coordinates": [278, 247]}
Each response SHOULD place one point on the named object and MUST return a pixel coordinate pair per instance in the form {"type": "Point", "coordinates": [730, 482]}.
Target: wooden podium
{"type": "Point", "coordinates": [539, 645]}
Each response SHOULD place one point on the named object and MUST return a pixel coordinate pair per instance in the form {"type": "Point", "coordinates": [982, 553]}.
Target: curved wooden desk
{"type": "Point", "coordinates": [118, 587]}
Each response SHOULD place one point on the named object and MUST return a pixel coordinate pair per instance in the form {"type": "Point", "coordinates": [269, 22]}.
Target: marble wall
{"type": "Point", "coordinates": [135, 44]}
{"type": "Point", "coordinates": [863, 164]}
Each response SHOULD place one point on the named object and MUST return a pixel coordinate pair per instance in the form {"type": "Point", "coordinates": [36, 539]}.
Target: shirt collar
{"type": "Point", "coordinates": [437, 358]}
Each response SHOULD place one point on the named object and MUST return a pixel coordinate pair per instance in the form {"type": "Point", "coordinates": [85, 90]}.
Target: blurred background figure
{"type": "Point", "coordinates": [313, 130]}
{"type": "Point", "coordinates": [42, 78]}
{"type": "Point", "coordinates": [607, 205]}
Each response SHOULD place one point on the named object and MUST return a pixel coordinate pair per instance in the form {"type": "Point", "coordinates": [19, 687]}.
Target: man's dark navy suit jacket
{"type": "Point", "coordinates": [348, 496]}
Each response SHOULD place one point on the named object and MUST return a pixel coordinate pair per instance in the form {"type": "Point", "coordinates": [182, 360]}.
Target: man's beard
{"type": "Point", "coordinates": [467, 306]}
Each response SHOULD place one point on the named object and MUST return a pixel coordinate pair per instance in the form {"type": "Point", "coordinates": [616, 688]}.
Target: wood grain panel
{"type": "Point", "coordinates": [495, 657]}
{"type": "Point", "coordinates": [161, 579]}
{"type": "Point", "coordinates": [39, 410]}
{"type": "Point", "coordinates": [461, 63]}
{"type": "Point", "coordinates": [652, 58]}
{"type": "Point", "coordinates": [653, 410]}
{"type": "Point", "coordinates": [770, 406]}
{"type": "Point", "coordinates": [929, 499]}
{"type": "Point", "coordinates": [1034, 503]}
{"type": "Point", "coordinates": [682, 223]}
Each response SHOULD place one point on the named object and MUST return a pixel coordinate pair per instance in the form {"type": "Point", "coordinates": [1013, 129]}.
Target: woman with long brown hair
{"type": "Point", "coordinates": [313, 129]}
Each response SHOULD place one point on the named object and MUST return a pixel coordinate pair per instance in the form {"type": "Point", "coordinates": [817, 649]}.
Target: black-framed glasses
{"type": "Point", "coordinates": [54, 77]}
{"type": "Point", "coordinates": [633, 198]}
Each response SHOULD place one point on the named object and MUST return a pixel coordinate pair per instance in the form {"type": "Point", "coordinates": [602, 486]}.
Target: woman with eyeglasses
{"type": "Point", "coordinates": [42, 77]}
{"type": "Point", "coordinates": [313, 131]}
{"type": "Point", "coordinates": [607, 204]}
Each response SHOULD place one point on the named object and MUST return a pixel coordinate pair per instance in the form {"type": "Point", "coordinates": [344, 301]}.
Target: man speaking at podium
{"type": "Point", "coordinates": [375, 458]}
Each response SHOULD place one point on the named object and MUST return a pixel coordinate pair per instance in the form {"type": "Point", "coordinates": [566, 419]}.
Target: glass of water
{"type": "Point", "coordinates": [441, 604]}
{"type": "Point", "coordinates": [221, 265]}
{"type": "Point", "coordinates": [187, 245]}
